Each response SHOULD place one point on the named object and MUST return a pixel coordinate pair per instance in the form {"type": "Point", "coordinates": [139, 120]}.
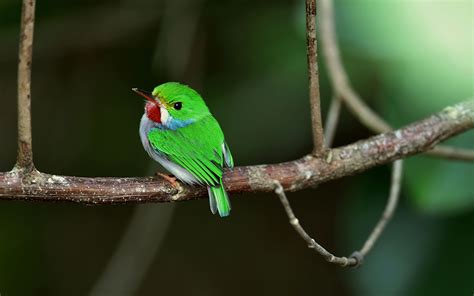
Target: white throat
{"type": "Point", "coordinates": [165, 116]}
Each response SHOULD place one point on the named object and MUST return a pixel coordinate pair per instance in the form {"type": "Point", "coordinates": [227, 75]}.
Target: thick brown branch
{"type": "Point", "coordinates": [313, 74]}
{"type": "Point", "coordinates": [295, 175]}
{"type": "Point", "coordinates": [343, 88]}
{"type": "Point", "coordinates": [25, 153]}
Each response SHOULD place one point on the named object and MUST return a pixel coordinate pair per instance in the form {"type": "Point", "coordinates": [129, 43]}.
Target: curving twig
{"type": "Point", "coordinates": [357, 257]}
{"type": "Point", "coordinates": [342, 261]}
{"type": "Point", "coordinates": [396, 184]}
{"type": "Point", "coordinates": [342, 87]}
{"type": "Point", "coordinates": [25, 152]}
{"type": "Point", "coordinates": [313, 74]}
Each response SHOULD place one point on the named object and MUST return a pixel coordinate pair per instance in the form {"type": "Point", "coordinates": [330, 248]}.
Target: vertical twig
{"type": "Point", "coordinates": [338, 76]}
{"type": "Point", "coordinates": [25, 152]}
{"type": "Point", "coordinates": [313, 72]}
{"type": "Point", "coordinates": [332, 120]}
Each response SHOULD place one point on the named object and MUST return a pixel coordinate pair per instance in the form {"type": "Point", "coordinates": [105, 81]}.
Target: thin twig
{"type": "Point", "coordinates": [313, 74]}
{"type": "Point", "coordinates": [396, 183]}
{"type": "Point", "coordinates": [342, 87]}
{"type": "Point", "coordinates": [452, 153]}
{"type": "Point", "coordinates": [357, 257]}
{"type": "Point", "coordinates": [342, 261]}
{"type": "Point", "coordinates": [294, 175]}
{"type": "Point", "coordinates": [332, 120]}
{"type": "Point", "coordinates": [25, 153]}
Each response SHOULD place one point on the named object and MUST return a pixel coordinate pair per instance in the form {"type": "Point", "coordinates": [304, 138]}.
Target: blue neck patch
{"type": "Point", "coordinates": [174, 124]}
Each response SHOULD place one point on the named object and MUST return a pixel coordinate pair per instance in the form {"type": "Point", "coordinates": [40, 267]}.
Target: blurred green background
{"type": "Point", "coordinates": [407, 59]}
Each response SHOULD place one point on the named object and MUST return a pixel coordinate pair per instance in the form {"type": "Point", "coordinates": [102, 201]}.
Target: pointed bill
{"type": "Point", "coordinates": [147, 95]}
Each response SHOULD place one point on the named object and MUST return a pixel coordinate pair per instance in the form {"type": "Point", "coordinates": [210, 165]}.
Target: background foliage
{"type": "Point", "coordinates": [247, 58]}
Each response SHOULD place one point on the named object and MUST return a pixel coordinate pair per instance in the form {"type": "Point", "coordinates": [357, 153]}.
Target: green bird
{"type": "Point", "coordinates": [178, 131]}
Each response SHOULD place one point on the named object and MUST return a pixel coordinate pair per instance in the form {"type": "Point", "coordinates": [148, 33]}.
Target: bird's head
{"type": "Point", "coordinates": [173, 104]}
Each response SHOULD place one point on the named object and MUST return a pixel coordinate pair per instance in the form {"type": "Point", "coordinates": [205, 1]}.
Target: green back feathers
{"type": "Point", "coordinates": [196, 147]}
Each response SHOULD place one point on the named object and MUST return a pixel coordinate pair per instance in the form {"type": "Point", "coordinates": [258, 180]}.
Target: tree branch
{"type": "Point", "coordinates": [295, 175]}
{"type": "Point", "coordinates": [342, 87]}
{"type": "Point", "coordinates": [25, 152]}
{"type": "Point", "coordinates": [313, 74]}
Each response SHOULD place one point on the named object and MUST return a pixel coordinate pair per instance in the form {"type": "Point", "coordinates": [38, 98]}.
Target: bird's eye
{"type": "Point", "coordinates": [178, 105]}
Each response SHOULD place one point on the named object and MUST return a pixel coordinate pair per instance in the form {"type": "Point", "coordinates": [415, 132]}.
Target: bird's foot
{"type": "Point", "coordinates": [171, 179]}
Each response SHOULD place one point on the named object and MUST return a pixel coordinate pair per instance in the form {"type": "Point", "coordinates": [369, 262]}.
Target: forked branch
{"type": "Point", "coordinates": [342, 87]}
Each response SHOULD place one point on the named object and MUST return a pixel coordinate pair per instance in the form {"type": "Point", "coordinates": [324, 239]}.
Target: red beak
{"type": "Point", "coordinates": [145, 94]}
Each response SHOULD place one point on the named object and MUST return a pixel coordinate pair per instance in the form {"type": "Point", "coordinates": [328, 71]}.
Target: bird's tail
{"type": "Point", "coordinates": [218, 200]}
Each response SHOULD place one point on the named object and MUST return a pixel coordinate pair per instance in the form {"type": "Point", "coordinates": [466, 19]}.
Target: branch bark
{"type": "Point", "coordinates": [313, 74]}
{"type": "Point", "coordinates": [294, 175]}
{"type": "Point", "coordinates": [25, 152]}
{"type": "Point", "coordinates": [343, 88]}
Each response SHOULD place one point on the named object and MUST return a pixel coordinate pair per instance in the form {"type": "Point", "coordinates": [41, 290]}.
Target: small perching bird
{"type": "Point", "coordinates": [178, 131]}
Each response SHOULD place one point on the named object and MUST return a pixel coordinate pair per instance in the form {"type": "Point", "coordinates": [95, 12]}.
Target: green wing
{"type": "Point", "coordinates": [196, 147]}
